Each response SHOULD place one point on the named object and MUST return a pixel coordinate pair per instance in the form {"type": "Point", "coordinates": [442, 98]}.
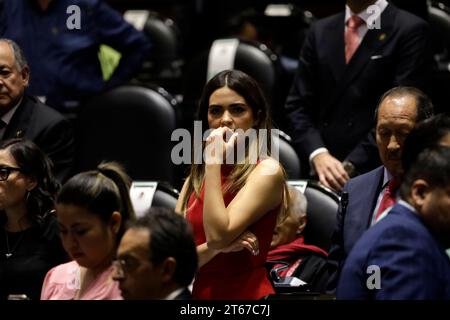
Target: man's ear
{"type": "Point", "coordinates": [168, 268]}
{"type": "Point", "coordinates": [302, 225]}
{"type": "Point", "coordinates": [419, 191]}
{"type": "Point", "coordinates": [115, 222]}
{"type": "Point", "coordinates": [25, 76]}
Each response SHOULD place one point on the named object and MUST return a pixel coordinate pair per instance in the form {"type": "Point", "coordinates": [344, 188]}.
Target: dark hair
{"type": "Point", "coordinates": [170, 236]}
{"type": "Point", "coordinates": [34, 162]}
{"type": "Point", "coordinates": [424, 105]}
{"type": "Point", "coordinates": [102, 192]}
{"type": "Point", "coordinates": [245, 86]}
{"type": "Point", "coordinates": [426, 134]}
{"type": "Point", "coordinates": [431, 165]}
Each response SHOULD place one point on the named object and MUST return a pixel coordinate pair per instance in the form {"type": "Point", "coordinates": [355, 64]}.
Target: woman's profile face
{"type": "Point", "coordinates": [229, 109]}
{"type": "Point", "coordinates": [15, 184]}
{"type": "Point", "coordinates": [85, 237]}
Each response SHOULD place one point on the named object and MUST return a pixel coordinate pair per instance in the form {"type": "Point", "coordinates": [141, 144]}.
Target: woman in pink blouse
{"type": "Point", "coordinates": [92, 209]}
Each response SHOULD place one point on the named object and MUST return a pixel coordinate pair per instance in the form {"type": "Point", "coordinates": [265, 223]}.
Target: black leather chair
{"type": "Point", "coordinates": [132, 125]}
{"type": "Point", "coordinates": [164, 64]}
{"type": "Point", "coordinates": [165, 196]}
{"type": "Point", "coordinates": [322, 210]}
{"type": "Point", "coordinates": [255, 59]}
{"type": "Point", "coordinates": [439, 18]}
{"type": "Point", "coordinates": [287, 155]}
{"type": "Point", "coordinates": [147, 194]}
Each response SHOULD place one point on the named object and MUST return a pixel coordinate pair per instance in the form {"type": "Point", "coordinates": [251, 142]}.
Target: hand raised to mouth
{"type": "Point", "coordinates": [219, 145]}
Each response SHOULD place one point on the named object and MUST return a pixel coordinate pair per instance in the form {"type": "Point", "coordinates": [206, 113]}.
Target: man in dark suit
{"type": "Point", "coordinates": [403, 256]}
{"type": "Point", "coordinates": [347, 62]}
{"type": "Point", "coordinates": [157, 257]}
{"type": "Point", "coordinates": [399, 110]}
{"type": "Point", "coordinates": [25, 117]}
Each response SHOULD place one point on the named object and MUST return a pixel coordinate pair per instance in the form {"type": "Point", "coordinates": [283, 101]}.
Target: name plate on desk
{"type": "Point", "coordinates": [141, 194]}
{"type": "Point", "coordinates": [137, 18]}
{"type": "Point", "coordinates": [300, 185]}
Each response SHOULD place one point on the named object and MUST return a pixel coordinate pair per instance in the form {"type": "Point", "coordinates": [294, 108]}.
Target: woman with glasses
{"type": "Point", "coordinates": [234, 197]}
{"type": "Point", "coordinates": [92, 208]}
{"type": "Point", "coordinates": [29, 241]}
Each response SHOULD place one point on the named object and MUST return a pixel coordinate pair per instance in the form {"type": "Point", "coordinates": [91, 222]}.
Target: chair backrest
{"type": "Point", "coordinates": [322, 210]}
{"type": "Point", "coordinates": [287, 155]}
{"type": "Point", "coordinates": [255, 59]}
{"type": "Point", "coordinates": [147, 194]}
{"type": "Point", "coordinates": [163, 34]}
{"type": "Point", "coordinates": [439, 18]}
{"type": "Point", "coordinates": [132, 125]}
{"type": "Point", "coordinates": [164, 62]}
{"type": "Point", "coordinates": [165, 196]}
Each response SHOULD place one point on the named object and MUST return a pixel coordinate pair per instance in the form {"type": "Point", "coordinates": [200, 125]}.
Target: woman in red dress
{"type": "Point", "coordinates": [235, 196]}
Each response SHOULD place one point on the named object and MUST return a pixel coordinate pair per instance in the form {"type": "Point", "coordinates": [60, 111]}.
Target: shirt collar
{"type": "Point", "coordinates": [174, 294]}
{"type": "Point", "coordinates": [387, 176]}
{"type": "Point", "coordinates": [6, 118]}
{"type": "Point", "coordinates": [382, 4]}
{"type": "Point", "coordinates": [407, 205]}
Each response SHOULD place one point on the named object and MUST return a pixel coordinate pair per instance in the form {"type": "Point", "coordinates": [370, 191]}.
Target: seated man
{"type": "Point", "coordinates": [290, 255]}
{"type": "Point", "coordinates": [403, 256]}
{"type": "Point", "coordinates": [157, 258]}
{"type": "Point", "coordinates": [22, 116]}
{"type": "Point", "coordinates": [371, 195]}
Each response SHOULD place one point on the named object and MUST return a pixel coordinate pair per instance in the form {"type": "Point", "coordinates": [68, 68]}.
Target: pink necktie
{"type": "Point", "coordinates": [352, 37]}
{"type": "Point", "coordinates": [388, 199]}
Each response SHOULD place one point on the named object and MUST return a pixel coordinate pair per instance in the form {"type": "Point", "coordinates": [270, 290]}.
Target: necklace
{"type": "Point", "coordinates": [9, 252]}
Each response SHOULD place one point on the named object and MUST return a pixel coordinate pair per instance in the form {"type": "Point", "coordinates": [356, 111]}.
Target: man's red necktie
{"type": "Point", "coordinates": [388, 199]}
{"type": "Point", "coordinates": [352, 39]}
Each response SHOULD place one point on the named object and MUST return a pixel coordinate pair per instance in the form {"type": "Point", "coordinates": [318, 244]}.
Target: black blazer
{"type": "Point", "coordinates": [332, 104]}
{"type": "Point", "coordinates": [51, 131]}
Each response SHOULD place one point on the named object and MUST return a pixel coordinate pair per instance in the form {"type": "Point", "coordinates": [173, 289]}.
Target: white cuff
{"type": "Point", "coordinates": [312, 156]}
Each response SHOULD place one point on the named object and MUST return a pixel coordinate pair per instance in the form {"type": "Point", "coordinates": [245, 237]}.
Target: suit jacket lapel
{"type": "Point", "coordinates": [372, 42]}
{"type": "Point", "coordinates": [335, 47]}
{"type": "Point", "coordinates": [364, 205]}
{"type": "Point", "coordinates": [20, 121]}
{"type": "Point", "coordinates": [373, 192]}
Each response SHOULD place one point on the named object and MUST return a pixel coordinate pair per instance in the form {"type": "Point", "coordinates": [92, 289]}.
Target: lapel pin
{"type": "Point", "coordinates": [382, 36]}
{"type": "Point", "coordinates": [19, 134]}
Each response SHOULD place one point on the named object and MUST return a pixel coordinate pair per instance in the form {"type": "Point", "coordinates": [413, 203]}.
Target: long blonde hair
{"type": "Point", "coordinates": [249, 89]}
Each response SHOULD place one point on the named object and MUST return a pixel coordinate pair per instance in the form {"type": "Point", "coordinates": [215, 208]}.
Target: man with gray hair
{"type": "Point", "coordinates": [289, 256]}
{"type": "Point", "coordinates": [22, 116]}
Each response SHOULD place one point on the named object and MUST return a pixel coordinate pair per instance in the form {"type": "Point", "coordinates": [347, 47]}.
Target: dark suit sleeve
{"type": "Point", "coordinates": [57, 141]}
{"type": "Point", "coordinates": [406, 269]}
{"type": "Point", "coordinates": [133, 45]}
{"type": "Point", "coordinates": [413, 68]}
{"type": "Point", "coordinates": [301, 101]}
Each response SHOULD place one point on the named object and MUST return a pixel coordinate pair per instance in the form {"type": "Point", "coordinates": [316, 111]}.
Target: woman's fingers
{"type": "Point", "coordinates": [251, 239]}
{"type": "Point", "coordinates": [246, 240]}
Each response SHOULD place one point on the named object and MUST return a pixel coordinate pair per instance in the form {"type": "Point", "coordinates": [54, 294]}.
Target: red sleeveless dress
{"type": "Point", "coordinates": [235, 275]}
